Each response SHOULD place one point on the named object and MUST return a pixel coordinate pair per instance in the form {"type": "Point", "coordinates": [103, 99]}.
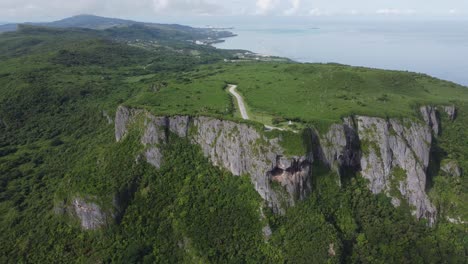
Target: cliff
{"type": "Point", "coordinates": [238, 148]}
{"type": "Point", "coordinates": [392, 154]}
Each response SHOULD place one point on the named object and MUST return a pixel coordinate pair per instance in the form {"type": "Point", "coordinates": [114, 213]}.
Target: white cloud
{"type": "Point", "coordinates": [318, 12]}
{"type": "Point", "coordinates": [265, 6]}
{"type": "Point", "coordinates": [394, 11]}
{"type": "Point", "coordinates": [197, 7]}
{"type": "Point", "coordinates": [46, 10]}
{"type": "Point", "coordinates": [295, 6]}
{"type": "Point", "coordinates": [160, 4]}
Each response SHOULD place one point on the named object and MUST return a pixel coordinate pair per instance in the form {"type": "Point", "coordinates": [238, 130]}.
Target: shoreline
{"type": "Point", "coordinates": [371, 64]}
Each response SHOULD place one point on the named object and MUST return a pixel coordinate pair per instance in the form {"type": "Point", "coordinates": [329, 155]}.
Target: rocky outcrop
{"type": "Point", "coordinates": [108, 118]}
{"type": "Point", "coordinates": [90, 214]}
{"type": "Point", "coordinates": [239, 148]}
{"type": "Point", "coordinates": [451, 112]}
{"type": "Point", "coordinates": [123, 117]}
{"type": "Point", "coordinates": [392, 154]}
{"type": "Point", "coordinates": [339, 148]}
{"type": "Point", "coordinates": [451, 168]}
{"type": "Point", "coordinates": [431, 117]}
{"type": "Point", "coordinates": [154, 157]}
{"type": "Point", "coordinates": [293, 174]}
{"type": "Point", "coordinates": [395, 157]}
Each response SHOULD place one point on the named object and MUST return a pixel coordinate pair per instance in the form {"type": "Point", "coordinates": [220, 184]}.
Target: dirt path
{"type": "Point", "coordinates": [243, 110]}
{"type": "Point", "coordinates": [240, 101]}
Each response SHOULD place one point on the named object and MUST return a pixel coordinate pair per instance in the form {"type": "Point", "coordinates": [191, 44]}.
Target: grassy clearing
{"type": "Point", "coordinates": [310, 93]}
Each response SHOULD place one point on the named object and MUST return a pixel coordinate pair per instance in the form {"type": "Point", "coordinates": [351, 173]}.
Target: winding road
{"type": "Point", "coordinates": [240, 101]}
{"type": "Point", "coordinates": [243, 110]}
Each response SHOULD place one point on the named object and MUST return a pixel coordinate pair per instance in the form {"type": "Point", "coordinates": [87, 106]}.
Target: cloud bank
{"type": "Point", "coordinates": [34, 10]}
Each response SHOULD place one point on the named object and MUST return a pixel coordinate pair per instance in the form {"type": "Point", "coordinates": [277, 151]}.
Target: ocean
{"type": "Point", "coordinates": [437, 48]}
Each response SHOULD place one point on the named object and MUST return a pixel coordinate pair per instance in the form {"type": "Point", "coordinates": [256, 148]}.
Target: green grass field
{"type": "Point", "coordinates": [306, 93]}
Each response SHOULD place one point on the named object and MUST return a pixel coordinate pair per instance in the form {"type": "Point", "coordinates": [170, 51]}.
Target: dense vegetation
{"type": "Point", "coordinates": [59, 88]}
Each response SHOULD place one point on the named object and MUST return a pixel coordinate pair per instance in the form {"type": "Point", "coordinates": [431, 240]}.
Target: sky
{"type": "Point", "coordinates": [47, 10]}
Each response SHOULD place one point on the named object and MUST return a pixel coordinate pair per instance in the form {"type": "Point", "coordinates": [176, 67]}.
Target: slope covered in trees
{"type": "Point", "coordinates": [59, 89]}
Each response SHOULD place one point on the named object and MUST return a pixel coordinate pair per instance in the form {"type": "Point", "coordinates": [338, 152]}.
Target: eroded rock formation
{"type": "Point", "coordinates": [90, 214]}
{"type": "Point", "coordinates": [451, 112]}
{"type": "Point", "coordinates": [451, 168]}
{"type": "Point", "coordinates": [431, 117]}
{"type": "Point", "coordinates": [395, 157]}
{"type": "Point", "coordinates": [239, 148]}
{"type": "Point", "coordinates": [393, 154]}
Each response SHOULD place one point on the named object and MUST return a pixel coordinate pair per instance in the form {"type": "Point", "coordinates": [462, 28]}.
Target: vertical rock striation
{"type": "Point", "coordinates": [392, 154]}
{"type": "Point", "coordinates": [395, 157]}
{"type": "Point", "coordinates": [339, 148]}
{"type": "Point", "coordinates": [431, 117]}
{"type": "Point", "coordinates": [238, 148]}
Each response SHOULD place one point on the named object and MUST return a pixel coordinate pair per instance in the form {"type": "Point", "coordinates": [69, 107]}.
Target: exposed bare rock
{"type": "Point", "coordinates": [107, 116]}
{"type": "Point", "coordinates": [179, 125]}
{"type": "Point", "coordinates": [451, 112]}
{"type": "Point", "coordinates": [293, 175]}
{"type": "Point", "coordinates": [90, 214]}
{"type": "Point", "coordinates": [239, 148]}
{"type": "Point", "coordinates": [430, 116]}
{"type": "Point", "coordinates": [123, 118]}
{"type": "Point", "coordinates": [154, 157]}
{"type": "Point", "coordinates": [339, 148]}
{"type": "Point", "coordinates": [244, 151]}
{"type": "Point", "coordinates": [333, 144]}
{"type": "Point", "coordinates": [395, 159]}
{"type": "Point", "coordinates": [457, 221]}
{"type": "Point", "coordinates": [331, 250]}
{"type": "Point", "coordinates": [154, 130]}
{"type": "Point", "coordinates": [451, 168]}
{"type": "Point", "coordinates": [392, 154]}
{"type": "Point", "coordinates": [266, 230]}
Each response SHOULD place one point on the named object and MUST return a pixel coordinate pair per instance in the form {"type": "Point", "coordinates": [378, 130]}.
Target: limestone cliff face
{"type": "Point", "coordinates": [392, 154]}
{"type": "Point", "coordinates": [238, 148]}
{"type": "Point", "coordinates": [395, 159]}
{"type": "Point", "coordinates": [431, 117]}
{"type": "Point", "coordinates": [339, 148]}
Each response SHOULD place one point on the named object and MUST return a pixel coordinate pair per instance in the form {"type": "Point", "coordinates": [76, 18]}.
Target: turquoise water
{"type": "Point", "coordinates": [437, 48]}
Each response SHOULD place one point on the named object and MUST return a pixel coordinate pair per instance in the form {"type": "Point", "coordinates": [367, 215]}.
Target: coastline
{"type": "Point", "coordinates": [364, 48]}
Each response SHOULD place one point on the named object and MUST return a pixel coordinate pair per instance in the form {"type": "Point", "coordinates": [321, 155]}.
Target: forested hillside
{"type": "Point", "coordinates": [60, 89]}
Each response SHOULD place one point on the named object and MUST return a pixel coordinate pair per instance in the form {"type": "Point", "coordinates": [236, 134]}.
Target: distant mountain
{"type": "Point", "coordinates": [88, 21]}
{"type": "Point", "coordinates": [8, 27]}
{"type": "Point", "coordinates": [128, 30]}
{"type": "Point", "coordinates": [80, 21]}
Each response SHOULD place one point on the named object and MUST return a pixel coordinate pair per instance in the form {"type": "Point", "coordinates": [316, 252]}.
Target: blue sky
{"type": "Point", "coordinates": [40, 10]}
